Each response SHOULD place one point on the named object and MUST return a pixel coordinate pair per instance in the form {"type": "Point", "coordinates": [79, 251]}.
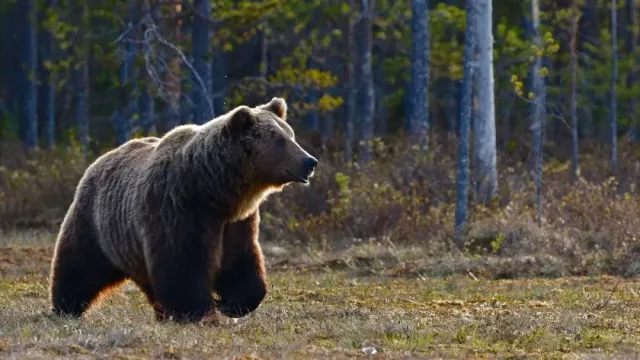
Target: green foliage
{"type": "Point", "coordinates": [342, 202]}
{"type": "Point", "coordinates": [307, 50]}
{"type": "Point", "coordinates": [447, 51]}
{"type": "Point", "coordinates": [9, 127]}
{"type": "Point", "coordinates": [496, 244]}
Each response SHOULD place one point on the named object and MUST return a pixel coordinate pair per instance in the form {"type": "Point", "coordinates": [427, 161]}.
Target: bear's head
{"type": "Point", "coordinates": [269, 142]}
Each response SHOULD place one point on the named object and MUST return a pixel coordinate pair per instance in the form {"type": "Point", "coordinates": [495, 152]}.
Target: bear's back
{"type": "Point", "coordinates": [120, 169]}
{"type": "Point", "coordinates": [134, 153]}
{"type": "Point", "coordinates": [118, 181]}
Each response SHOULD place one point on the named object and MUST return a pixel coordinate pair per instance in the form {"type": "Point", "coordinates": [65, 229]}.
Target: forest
{"type": "Point", "coordinates": [466, 140]}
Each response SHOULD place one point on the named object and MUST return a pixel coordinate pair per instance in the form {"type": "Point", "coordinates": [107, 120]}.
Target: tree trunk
{"type": "Point", "coordinates": [539, 109]}
{"type": "Point", "coordinates": [420, 73]}
{"type": "Point", "coordinates": [28, 88]}
{"type": "Point", "coordinates": [125, 102]}
{"type": "Point", "coordinates": [80, 72]}
{"type": "Point", "coordinates": [573, 65]}
{"type": "Point", "coordinates": [46, 93]}
{"type": "Point", "coordinates": [367, 82]}
{"type": "Point", "coordinates": [8, 20]}
{"type": "Point", "coordinates": [451, 92]}
{"type": "Point", "coordinates": [614, 81]}
{"type": "Point", "coordinates": [485, 124]}
{"type": "Point", "coordinates": [173, 78]}
{"type": "Point", "coordinates": [146, 101]}
{"type": "Point", "coordinates": [632, 44]}
{"type": "Point", "coordinates": [203, 106]}
{"type": "Point", "coordinates": [352, 91]}
{"type": "Point", "coordinates": [588, 29]}
{"type": "Point", "coordinates": [465, 122]}
{"type": "Point", "coordinates": [218, 78]}
{"type": "Point", "coordinates": [134, 50]}
{"type": "Point", "coordinates": [186, 82]}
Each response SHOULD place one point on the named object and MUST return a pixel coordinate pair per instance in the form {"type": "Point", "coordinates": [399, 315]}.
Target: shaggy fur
{"type": "Point", "coordinates": [178, 215]}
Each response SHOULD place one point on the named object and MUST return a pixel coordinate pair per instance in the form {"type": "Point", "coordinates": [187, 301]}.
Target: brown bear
{"type": "Point", "coordinates": [178, 215]}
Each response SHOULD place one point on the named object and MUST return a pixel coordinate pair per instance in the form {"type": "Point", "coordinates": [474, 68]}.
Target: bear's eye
{"type": "Point", "coordinates": [280, 143]}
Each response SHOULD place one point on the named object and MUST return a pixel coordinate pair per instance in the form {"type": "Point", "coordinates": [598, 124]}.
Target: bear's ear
{"type": "Point", "coordinates": [241, 120]}
{"type": "Point", "coordinates": [277, 106]}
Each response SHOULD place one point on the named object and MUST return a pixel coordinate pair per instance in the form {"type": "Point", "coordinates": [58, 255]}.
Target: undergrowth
{"type": "Point", "coordinates": [405, 197]}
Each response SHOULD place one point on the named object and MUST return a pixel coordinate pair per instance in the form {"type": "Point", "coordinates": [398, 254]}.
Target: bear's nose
{"type": "Point", "coordinates": [310, 164]}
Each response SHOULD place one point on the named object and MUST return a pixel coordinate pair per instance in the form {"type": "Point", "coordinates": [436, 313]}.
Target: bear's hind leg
{"type": "Point", "coordinates": [79, 270]}
{"type": "Point", "coordinates": [241, 280]}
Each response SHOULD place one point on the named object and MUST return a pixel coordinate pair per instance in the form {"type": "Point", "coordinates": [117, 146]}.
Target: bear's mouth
{"type": "Point", "coordinates": [298, 178]}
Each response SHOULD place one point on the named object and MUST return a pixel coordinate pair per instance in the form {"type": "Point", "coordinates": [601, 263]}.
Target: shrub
{"type": "Point", "coordinates": [35, 190]}
{"type": "Point", "coordinates": [406, 197]}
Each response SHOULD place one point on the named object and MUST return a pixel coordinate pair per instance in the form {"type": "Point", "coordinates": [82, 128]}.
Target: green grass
{"type": "Point", "coordinates": [332, 305]}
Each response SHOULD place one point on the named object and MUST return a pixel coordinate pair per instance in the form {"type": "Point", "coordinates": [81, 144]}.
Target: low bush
{"type": "Point", "coordinates": [405, 196]}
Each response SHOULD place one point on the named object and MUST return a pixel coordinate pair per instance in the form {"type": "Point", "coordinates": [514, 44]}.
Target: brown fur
{"type": "Point", "coordinates": [179, 216]}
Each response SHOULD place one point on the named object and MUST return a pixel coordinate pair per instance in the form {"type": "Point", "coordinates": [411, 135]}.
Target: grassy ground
{"type": "Point", "coordinates": [334, 305]}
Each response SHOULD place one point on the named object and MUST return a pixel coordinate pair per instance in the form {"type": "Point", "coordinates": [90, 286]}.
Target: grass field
{"type": "Point", "coordinates": [334, 306]}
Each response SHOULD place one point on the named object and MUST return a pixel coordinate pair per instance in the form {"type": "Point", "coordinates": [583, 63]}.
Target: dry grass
{"type": "Point", "coordinates": [365, 259]}
{"type": "Point", "coordinates": [332, 305]}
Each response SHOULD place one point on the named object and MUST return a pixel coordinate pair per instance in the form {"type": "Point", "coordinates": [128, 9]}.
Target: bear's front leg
{"type": "Point", "coordinates": [241, 279]}
{"type": "Point", "coordinates": [181, 273]}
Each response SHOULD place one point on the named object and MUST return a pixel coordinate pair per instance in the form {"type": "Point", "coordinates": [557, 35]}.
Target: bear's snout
{"type": "Point", "coordinates": [305, 171]}
{"type": "Point", "coordinates": [309, 165]}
